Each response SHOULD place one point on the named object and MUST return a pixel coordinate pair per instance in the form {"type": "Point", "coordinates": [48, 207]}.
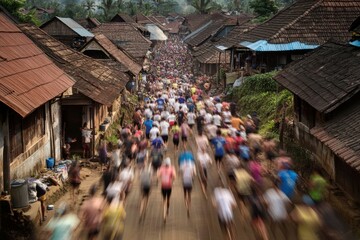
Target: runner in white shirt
{"type": "Point", "coordinates": [205, 160]}
{"type": "Point", "coordinates": [224, 202]}
{"type": "Point", "coordinates": [154, 131]}
{"type": "Point", "coordinates": [171, 119]}
{"type": "Point", "coordinates": [217, 120]}
{"type": "Point", "coordinates": [191, 119]}
{"type": "Point", "coordinates": [176, 106]}
{"type": "Point", "coordinates": [165, 114]}
{"type": "Point", "coordinates": [164, 129]}
{"type": "Point", "coordinates": [227, 117]}
{"type": "Point", "coordinates": [218, 107]}
{"type": "Point", "coordinates": [208, 118]}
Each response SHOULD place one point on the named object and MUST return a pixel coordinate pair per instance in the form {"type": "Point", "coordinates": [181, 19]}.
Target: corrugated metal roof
{"type": "Point", "coordinates": [156, 33]}
{"type": "Point", "coordinates": [94, 79]}
{"type": "Point", "coordinates": [264, 46]}
{"type": "Point", "coordinates": [28, 78]}
{"type": "Point", "coordinates": [75, 27]}
{"type": "Point", "coordinates": [355, 43]}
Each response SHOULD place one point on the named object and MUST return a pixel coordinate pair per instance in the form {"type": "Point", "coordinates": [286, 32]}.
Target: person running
{"type": "Point", "coordinates": [191, 116]}
{"type": "Point", "coordinates": [224, 202]}
{"type": "Point", "coordinates": [188, 170]}
{"type": "Point", "coordinates": [148, 123]}
{"type": "Point", "coordinates": [91, 212]}
{"type": "Point", "coordinates": [204, 160]}
{"type": "Point", "coordinates": [145, 183]}
{"type": "Point", "coordinates": [112, 223]}
{"type": "Point", "coordinates": [219, 143]}
{"type": "Point", "coordinates": [164, 129]}
{"type": "Point", "coordinates": [185, 132]}
{"type": "Point", "coordinates": [166, 175]}
{"type": "Point", "coordinates": [175, 130]}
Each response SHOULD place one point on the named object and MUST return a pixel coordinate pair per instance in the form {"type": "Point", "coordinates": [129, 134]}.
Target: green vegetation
{"type": "Point", "coordinates": [260, 93]}
{"type": "Point", "coordinates": [16, 8]}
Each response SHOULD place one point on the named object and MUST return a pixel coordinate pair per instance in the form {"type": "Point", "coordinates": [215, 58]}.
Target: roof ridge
{"type": "Point", "coordinates": [316, 4]}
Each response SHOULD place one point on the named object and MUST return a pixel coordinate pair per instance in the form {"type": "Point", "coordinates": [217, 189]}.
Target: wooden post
{"type": "Point", "coordinates": [6, 160]}
{"type": "Point", "coordinates": [92, 114]}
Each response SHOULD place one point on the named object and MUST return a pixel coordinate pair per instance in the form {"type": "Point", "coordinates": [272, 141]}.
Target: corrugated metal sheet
{"type": "Point", "coordinates": [264, 46]}
{"type": "Point", "coordinates": [76, 27]}
{"type": "Point", "coordinates": [94, 79]}
{"type": "Point", "coordinates": [156, 33]}
{"type": "Point", "coordinates": [116, 53]}
{"type": "Point", "coordinates": [28, 78]}
{"type": "Point", "coordinates": [355, 43]}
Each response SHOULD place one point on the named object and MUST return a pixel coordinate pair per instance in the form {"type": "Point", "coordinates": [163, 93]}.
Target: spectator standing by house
{"type": "Point", "coordinates": [86, 134]}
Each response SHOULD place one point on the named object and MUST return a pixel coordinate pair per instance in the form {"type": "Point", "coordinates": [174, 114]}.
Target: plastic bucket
{"type": "Point", "coordinates": [19, 193]}
{"type": "Point", "coordinates": [50, 162]}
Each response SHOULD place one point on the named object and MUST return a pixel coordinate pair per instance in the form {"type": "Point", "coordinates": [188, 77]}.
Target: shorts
{"type": "Point", "coordinates": [42, 198]}
{"type": "Point", "coordinates": [86, 146]}
{"type": "Point", "coordinates": [218, 158]}
{"type": "Point", "coordinates": [75, 184]}
{"type": "Point", "coordinates": [165, 138]}
{"type": "Point", "coordinates": [156, 165]}
{"type": "Point", "coordinates": [187, 189]}
{"type": "Point", "coordinates": [270, 155]}
{"type": "Point", "coordinates": [223, 223]}
{"type": "Point", "coordinates": [184, 138]}
{"type": "Point", "coordinates": [176, 141]}
{"type": "Point", "coordinates": [145, 191]}
{"type": "Point", "coordinates": [191, 126]}
{"type": "Point", "coordinates": [93, 233]}
{"type": "Point", "coordinates": [166, 192]}
{"type": "Point", "coordinates": [147, 135]}
{"type": "Point", "coordinates": [171, 123]}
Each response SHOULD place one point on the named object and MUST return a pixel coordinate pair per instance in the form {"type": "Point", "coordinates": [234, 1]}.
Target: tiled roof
{"type": "Point", "coordinates": [205, 33]}
{"type": "Point", "coordinates": [207, 53]}
{"type": "Point", "coordinates": [195, 20]}
{"type": "Point", "coordinates": [93, 78]}
{"type": "Point", "coordinates": [127, 37]}
{"type": "Point", "coordinates": [117, 54]}
{"type": "Point", "coordinates": [342, 134]}
{"type": "Point", "coordinates": [28, 78]}
{"type": "Point", "coordinates": [142, 19]}
{"type": "Point", "coordinates": [122, 17]}
{"type": "Point", "coordinates": [89, 23]}
{"type": "Point", "coordinates": [173, 27]}
{"type": "Point", "coordinates": [308, 21]}
{"type": "Point", "coordinates": [325, 78]}
{"type": "Point", "coordinates": [233, 37]}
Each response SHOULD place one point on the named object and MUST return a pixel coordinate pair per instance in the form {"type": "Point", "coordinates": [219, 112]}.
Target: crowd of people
{"type": "Point", "coordinates": [210, 140]}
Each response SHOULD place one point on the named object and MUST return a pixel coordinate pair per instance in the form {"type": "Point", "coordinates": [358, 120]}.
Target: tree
{"type": "Point", "coordinates": [202, 6]}
{"type": "Point", "coordinates": [90, 7]}
{"type": "Point", "coordinates": [263, 8]}
{"type": "Point", "coordinates": [14, 6]}
{"type": "Point", "coordinates": [108, 7]}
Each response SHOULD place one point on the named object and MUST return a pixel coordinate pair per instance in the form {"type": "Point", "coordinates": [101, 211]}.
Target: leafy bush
{"type": "Point", "coordinates": [259, 93]}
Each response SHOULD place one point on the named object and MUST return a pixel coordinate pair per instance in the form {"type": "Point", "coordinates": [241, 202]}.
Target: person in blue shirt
{"type": "Point", "coordinates": [185, 156]}
{"type": "Point", "coordinates": [148, 125]}
{"type": "Point", "coordinates": [219, 143]}
{"type": "Point", "coordinates": [181, 100]}
{"type": "Point", "coordinates": [157, 143]}
{"type": "Point", "coordinates": [288, 179]}
{"type": "Point", "coordinates": [160, 103]}
{"type": "Point", "coordinates": [244, 151]}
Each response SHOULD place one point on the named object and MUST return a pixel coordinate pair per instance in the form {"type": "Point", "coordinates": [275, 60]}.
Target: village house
{"type": "Point", "coordinates": [89, 23]}
{"type": "Point", "coordinates": [125, 36]}
{"type": "Point", "coordinates": [208, 55]}
{"type": "Point", "coordinates": [67, 31]}
{"type": "Point", "coordinates": [31, 86]}
{"type": "Point", "coordinates": [100, 47]}
{"type": "Point", "coordinates": [295, 30]}
{"type": "Point", "coordinates": [326, 88]}
{"type": "Point", "coordinates": [95, 98]}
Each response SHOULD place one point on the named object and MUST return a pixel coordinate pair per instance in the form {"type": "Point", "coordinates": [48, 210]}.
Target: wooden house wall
{"type": "Point", "coordinates": [57, 28]}
{"type": "Point", "coordinates": [34, 140]}
{"type": "Point", "coordinates": [347, 178]}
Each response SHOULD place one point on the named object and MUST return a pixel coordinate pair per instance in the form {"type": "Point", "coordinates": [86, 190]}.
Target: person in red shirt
{"type": "Point", "coordinates": [230, 143]}
{"type": "Point", "coordinates": [166, 175]}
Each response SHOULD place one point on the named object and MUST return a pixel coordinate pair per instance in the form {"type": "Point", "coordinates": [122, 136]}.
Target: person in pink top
{"type": "Point", "coordinates": [166, 175]}
{"type": "Point", "coordinates": [256, 171]}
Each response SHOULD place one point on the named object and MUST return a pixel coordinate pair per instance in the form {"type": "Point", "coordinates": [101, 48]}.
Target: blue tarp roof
{"type": "Point", "coordinates": [76, 27]}
{"type": "Point", "coordinates": [355, 43]}
{"type": "Point", "coordinates": [264, 46]}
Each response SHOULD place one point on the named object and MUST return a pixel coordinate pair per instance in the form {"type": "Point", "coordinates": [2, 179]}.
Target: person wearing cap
{"type": "Point", "coordinates": [166, 175]}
